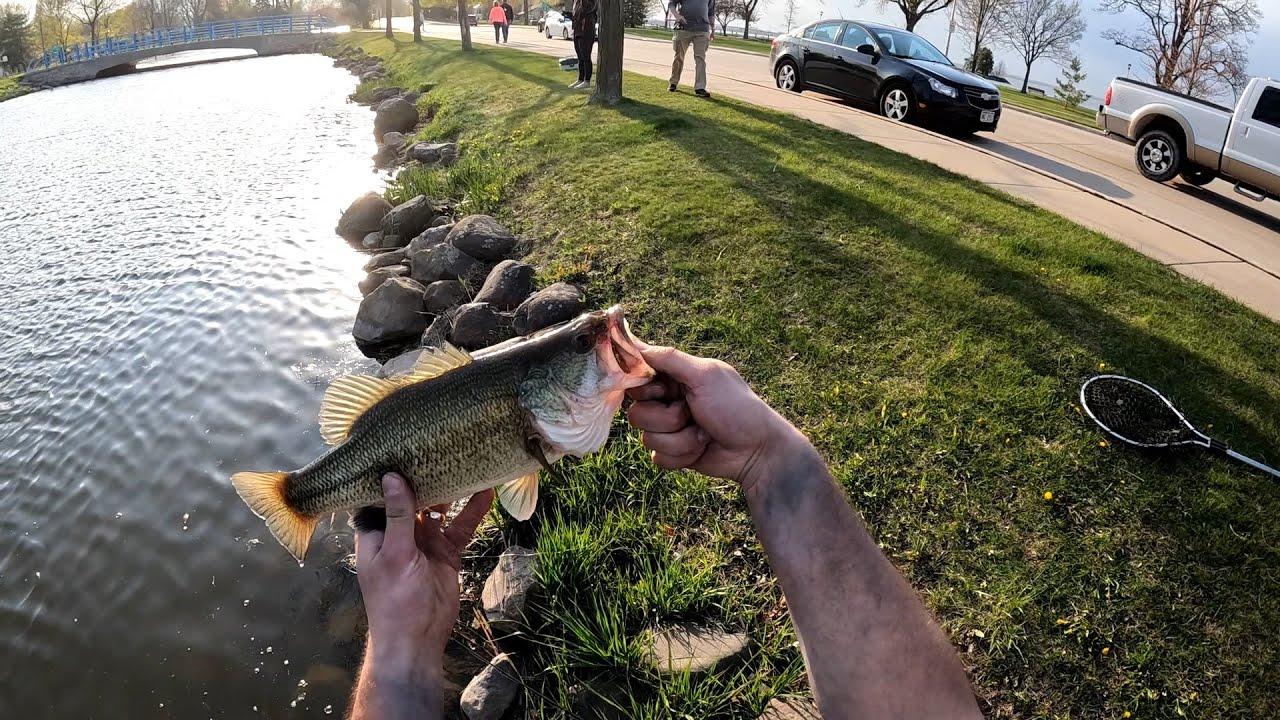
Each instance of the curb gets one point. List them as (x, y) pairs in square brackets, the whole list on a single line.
[(643, 38), (1060, 121)]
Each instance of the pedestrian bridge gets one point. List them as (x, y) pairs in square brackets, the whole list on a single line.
[(276, 35)]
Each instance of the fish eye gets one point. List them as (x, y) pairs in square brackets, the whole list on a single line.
[(582, 342)]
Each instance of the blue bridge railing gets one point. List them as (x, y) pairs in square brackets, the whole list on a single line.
[(177, 36)]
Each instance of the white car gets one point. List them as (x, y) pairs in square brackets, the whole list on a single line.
[(558, 25)]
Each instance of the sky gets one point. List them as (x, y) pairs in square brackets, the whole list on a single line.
[(1102, 60)]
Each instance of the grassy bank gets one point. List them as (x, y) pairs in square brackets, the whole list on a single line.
[(720, 41), (930, 334), (1047, 106), (10, 87)]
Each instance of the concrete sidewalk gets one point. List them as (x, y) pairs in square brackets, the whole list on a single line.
[(1203, 233)]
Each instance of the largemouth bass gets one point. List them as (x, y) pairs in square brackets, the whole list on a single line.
[(458, 424)]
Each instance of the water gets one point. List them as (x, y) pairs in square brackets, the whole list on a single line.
[(174, 303)]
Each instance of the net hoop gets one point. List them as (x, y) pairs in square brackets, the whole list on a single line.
[(1200, 438)]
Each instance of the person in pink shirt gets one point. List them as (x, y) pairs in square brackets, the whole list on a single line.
[(498, 17)]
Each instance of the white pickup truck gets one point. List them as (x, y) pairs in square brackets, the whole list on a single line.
[(1178, 135)]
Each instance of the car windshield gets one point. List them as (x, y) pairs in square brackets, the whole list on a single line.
[(901, 43)]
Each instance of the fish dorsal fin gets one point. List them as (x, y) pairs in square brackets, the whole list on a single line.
[(520, 496), (351, 396), (347, 399), (434, 362)]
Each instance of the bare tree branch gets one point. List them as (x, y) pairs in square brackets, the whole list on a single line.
[(1041, 29), (979, 19), (913, 10)]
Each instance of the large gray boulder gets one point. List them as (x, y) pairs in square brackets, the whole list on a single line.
[(431, 236), (478, 325), (409, 218), (392, 242), (362, 217), (372, 241), (380, 275), (690, 648), (393, 139), (506, 591), (483, 238), (444, 262), (371, 75), (490, 693), (392, 312), (385, 93), (508, 285), (394, 115), (551, 305), (444, 295), (432, 153), (393, 257)]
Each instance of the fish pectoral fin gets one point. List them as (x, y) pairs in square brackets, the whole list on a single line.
[(520, 496), (264, 494), (533, 444)]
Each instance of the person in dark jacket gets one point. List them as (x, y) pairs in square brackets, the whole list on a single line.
[(584, 38), (511, 16)]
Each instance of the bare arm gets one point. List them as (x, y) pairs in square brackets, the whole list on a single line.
[(870, 647)]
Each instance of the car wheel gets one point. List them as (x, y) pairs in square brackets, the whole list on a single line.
[(787, 76), (564, 34), (896, 103), (1159, 156), (1197, 175)]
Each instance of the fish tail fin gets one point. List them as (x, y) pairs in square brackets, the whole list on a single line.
[(264, 494)]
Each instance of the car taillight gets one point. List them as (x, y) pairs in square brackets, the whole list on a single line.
[(1107, 100), (773, 43)]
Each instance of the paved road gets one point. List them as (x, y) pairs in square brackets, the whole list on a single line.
[(1205, 233)]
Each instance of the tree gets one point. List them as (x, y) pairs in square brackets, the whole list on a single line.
[(1069, 84), (1041, 29), (15, 36), (389, 13), (359, 11), (91, 13), (980, 62), (53, 23), (913, 11), (1199, 47), (979, 19), (417, 21), (195, 12), (726, 10), (463, 26), (789, 13), (748, 11), (635, 12), (608, 89), (1000, 70)]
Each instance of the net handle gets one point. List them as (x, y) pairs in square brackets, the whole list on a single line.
[(1250, 462)]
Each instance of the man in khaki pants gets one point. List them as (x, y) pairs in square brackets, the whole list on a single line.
[(693, 27)]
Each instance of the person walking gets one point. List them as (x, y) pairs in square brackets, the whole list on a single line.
[(510, 12), (498, 17), (694, 27), (584, 38)]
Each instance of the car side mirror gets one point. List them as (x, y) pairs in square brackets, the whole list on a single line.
[(867, 49)]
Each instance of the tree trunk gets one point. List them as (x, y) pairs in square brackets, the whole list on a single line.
[(417, 21), (1026, 79), (746, 29), (463, 25), (912, 19), (526, 12), (389, 35), (609, 65)]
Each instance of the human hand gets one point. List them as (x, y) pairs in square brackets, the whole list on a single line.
[(408, 577), (699, 413)]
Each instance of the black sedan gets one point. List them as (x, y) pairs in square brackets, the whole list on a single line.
[(899, 73)]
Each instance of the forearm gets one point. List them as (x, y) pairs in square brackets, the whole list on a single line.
[(398, 683), (870, 646)]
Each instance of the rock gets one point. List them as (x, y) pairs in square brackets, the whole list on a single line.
[(430, 236), (445, 262), (426, 87), (394, 115), (371, 75), (690, 648), (379, 275), (508, 285), (507, 587), (478, 325), (395, 257), (443, 296), (791, 709), (391, 242), (553, 304), (393, 311), (442, 221), (483, 238), (490, 693), (386, 93), (438, 334), (411, 97), (400, 364), (433, 153), (409, 218), (372, 241), (394, 139), (363, 216)]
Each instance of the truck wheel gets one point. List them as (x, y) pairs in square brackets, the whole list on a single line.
[(1197, 175), (1159, 156)]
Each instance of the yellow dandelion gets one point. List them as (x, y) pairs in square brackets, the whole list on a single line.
[(904, 413), (1044, 269), (1108, 594), (1106, 651), (1127, 714), (1102, 366), (1194, 695), (1061, 621), (982, 421), (1103, 443), (1048, 495), (1006, 441)]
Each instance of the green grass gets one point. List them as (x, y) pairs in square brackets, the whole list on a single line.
[(720, 41), (1047, 105), (10, 87), (929, 333)]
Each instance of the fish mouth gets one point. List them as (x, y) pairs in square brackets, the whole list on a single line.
[(623, 345)]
